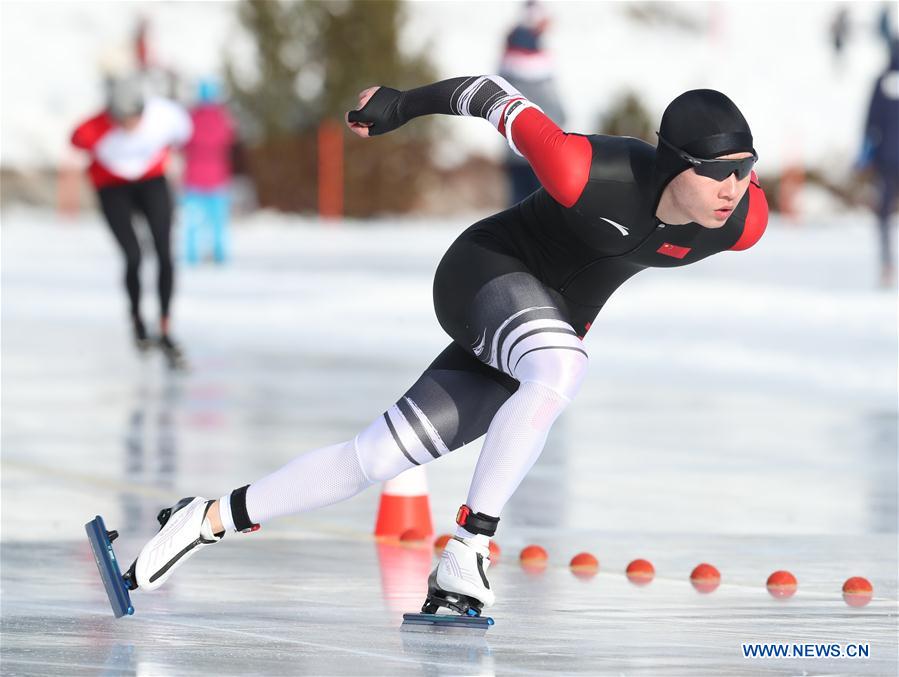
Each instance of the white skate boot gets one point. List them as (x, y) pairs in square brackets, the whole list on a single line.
[(184, 531), (459, 582)]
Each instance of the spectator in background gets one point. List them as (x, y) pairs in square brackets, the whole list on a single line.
[(129, 145), (206, 177), (881, 153), (885, 27), (529, 68), (839, 32)]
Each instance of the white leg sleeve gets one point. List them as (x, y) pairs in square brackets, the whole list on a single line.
[(387, 447), (312, 480), (550, 378)]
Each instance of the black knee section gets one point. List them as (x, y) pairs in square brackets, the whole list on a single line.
[(133, 260), (476, 522), (239, 514)]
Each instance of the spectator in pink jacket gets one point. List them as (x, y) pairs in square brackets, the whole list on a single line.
[(207, 177)]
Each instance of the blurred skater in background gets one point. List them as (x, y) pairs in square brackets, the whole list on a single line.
[(529, 68), (129, 143), (880, 153), (207, 175)]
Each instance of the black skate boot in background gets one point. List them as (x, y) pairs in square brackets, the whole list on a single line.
[(173, 354)]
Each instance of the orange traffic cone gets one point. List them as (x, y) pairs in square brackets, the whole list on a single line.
[(405, 506)]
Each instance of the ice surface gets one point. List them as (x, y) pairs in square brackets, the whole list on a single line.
[(741, 411)]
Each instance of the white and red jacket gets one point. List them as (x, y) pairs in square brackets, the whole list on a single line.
[(122, 156)]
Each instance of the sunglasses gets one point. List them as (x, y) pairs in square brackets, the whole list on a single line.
[(718, 170)]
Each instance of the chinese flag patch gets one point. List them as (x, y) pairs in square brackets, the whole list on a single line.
[(673, 250)]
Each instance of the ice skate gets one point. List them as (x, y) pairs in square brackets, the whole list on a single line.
[(460, 584), (141, 340), (184, 532), (174, 356)]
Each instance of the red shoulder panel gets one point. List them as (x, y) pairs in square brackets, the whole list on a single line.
[(756, 216), (561, 161), (89, 132)]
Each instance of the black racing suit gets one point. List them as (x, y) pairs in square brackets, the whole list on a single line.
[(557, 255)]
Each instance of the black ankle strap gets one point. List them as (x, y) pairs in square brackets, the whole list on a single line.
[(476, 522), (239, 514)]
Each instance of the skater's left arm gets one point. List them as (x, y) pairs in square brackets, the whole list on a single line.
[(756, 216), (561, 161)]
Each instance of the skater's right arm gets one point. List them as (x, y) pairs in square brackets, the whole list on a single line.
[(89, 132), (561, 161)]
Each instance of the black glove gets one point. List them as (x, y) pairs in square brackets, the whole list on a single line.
[(382, 111)]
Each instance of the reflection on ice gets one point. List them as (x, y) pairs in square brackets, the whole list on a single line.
[(450, 654)]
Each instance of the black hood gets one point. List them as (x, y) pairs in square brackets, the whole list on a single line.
[(705, 124)]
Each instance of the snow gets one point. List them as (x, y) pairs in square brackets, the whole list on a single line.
[(773, 59)]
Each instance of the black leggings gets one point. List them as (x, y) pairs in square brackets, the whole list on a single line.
[(153, 199)]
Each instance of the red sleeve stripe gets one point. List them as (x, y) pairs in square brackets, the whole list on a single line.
[(89, 132), (502, 118), (561, 161)]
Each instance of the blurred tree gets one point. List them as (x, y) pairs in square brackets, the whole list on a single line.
[(359, 45), (628, 117), (313, 58), (269, 105)]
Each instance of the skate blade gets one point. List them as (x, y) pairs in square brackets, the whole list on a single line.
[(108, 566), (446, 623)]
